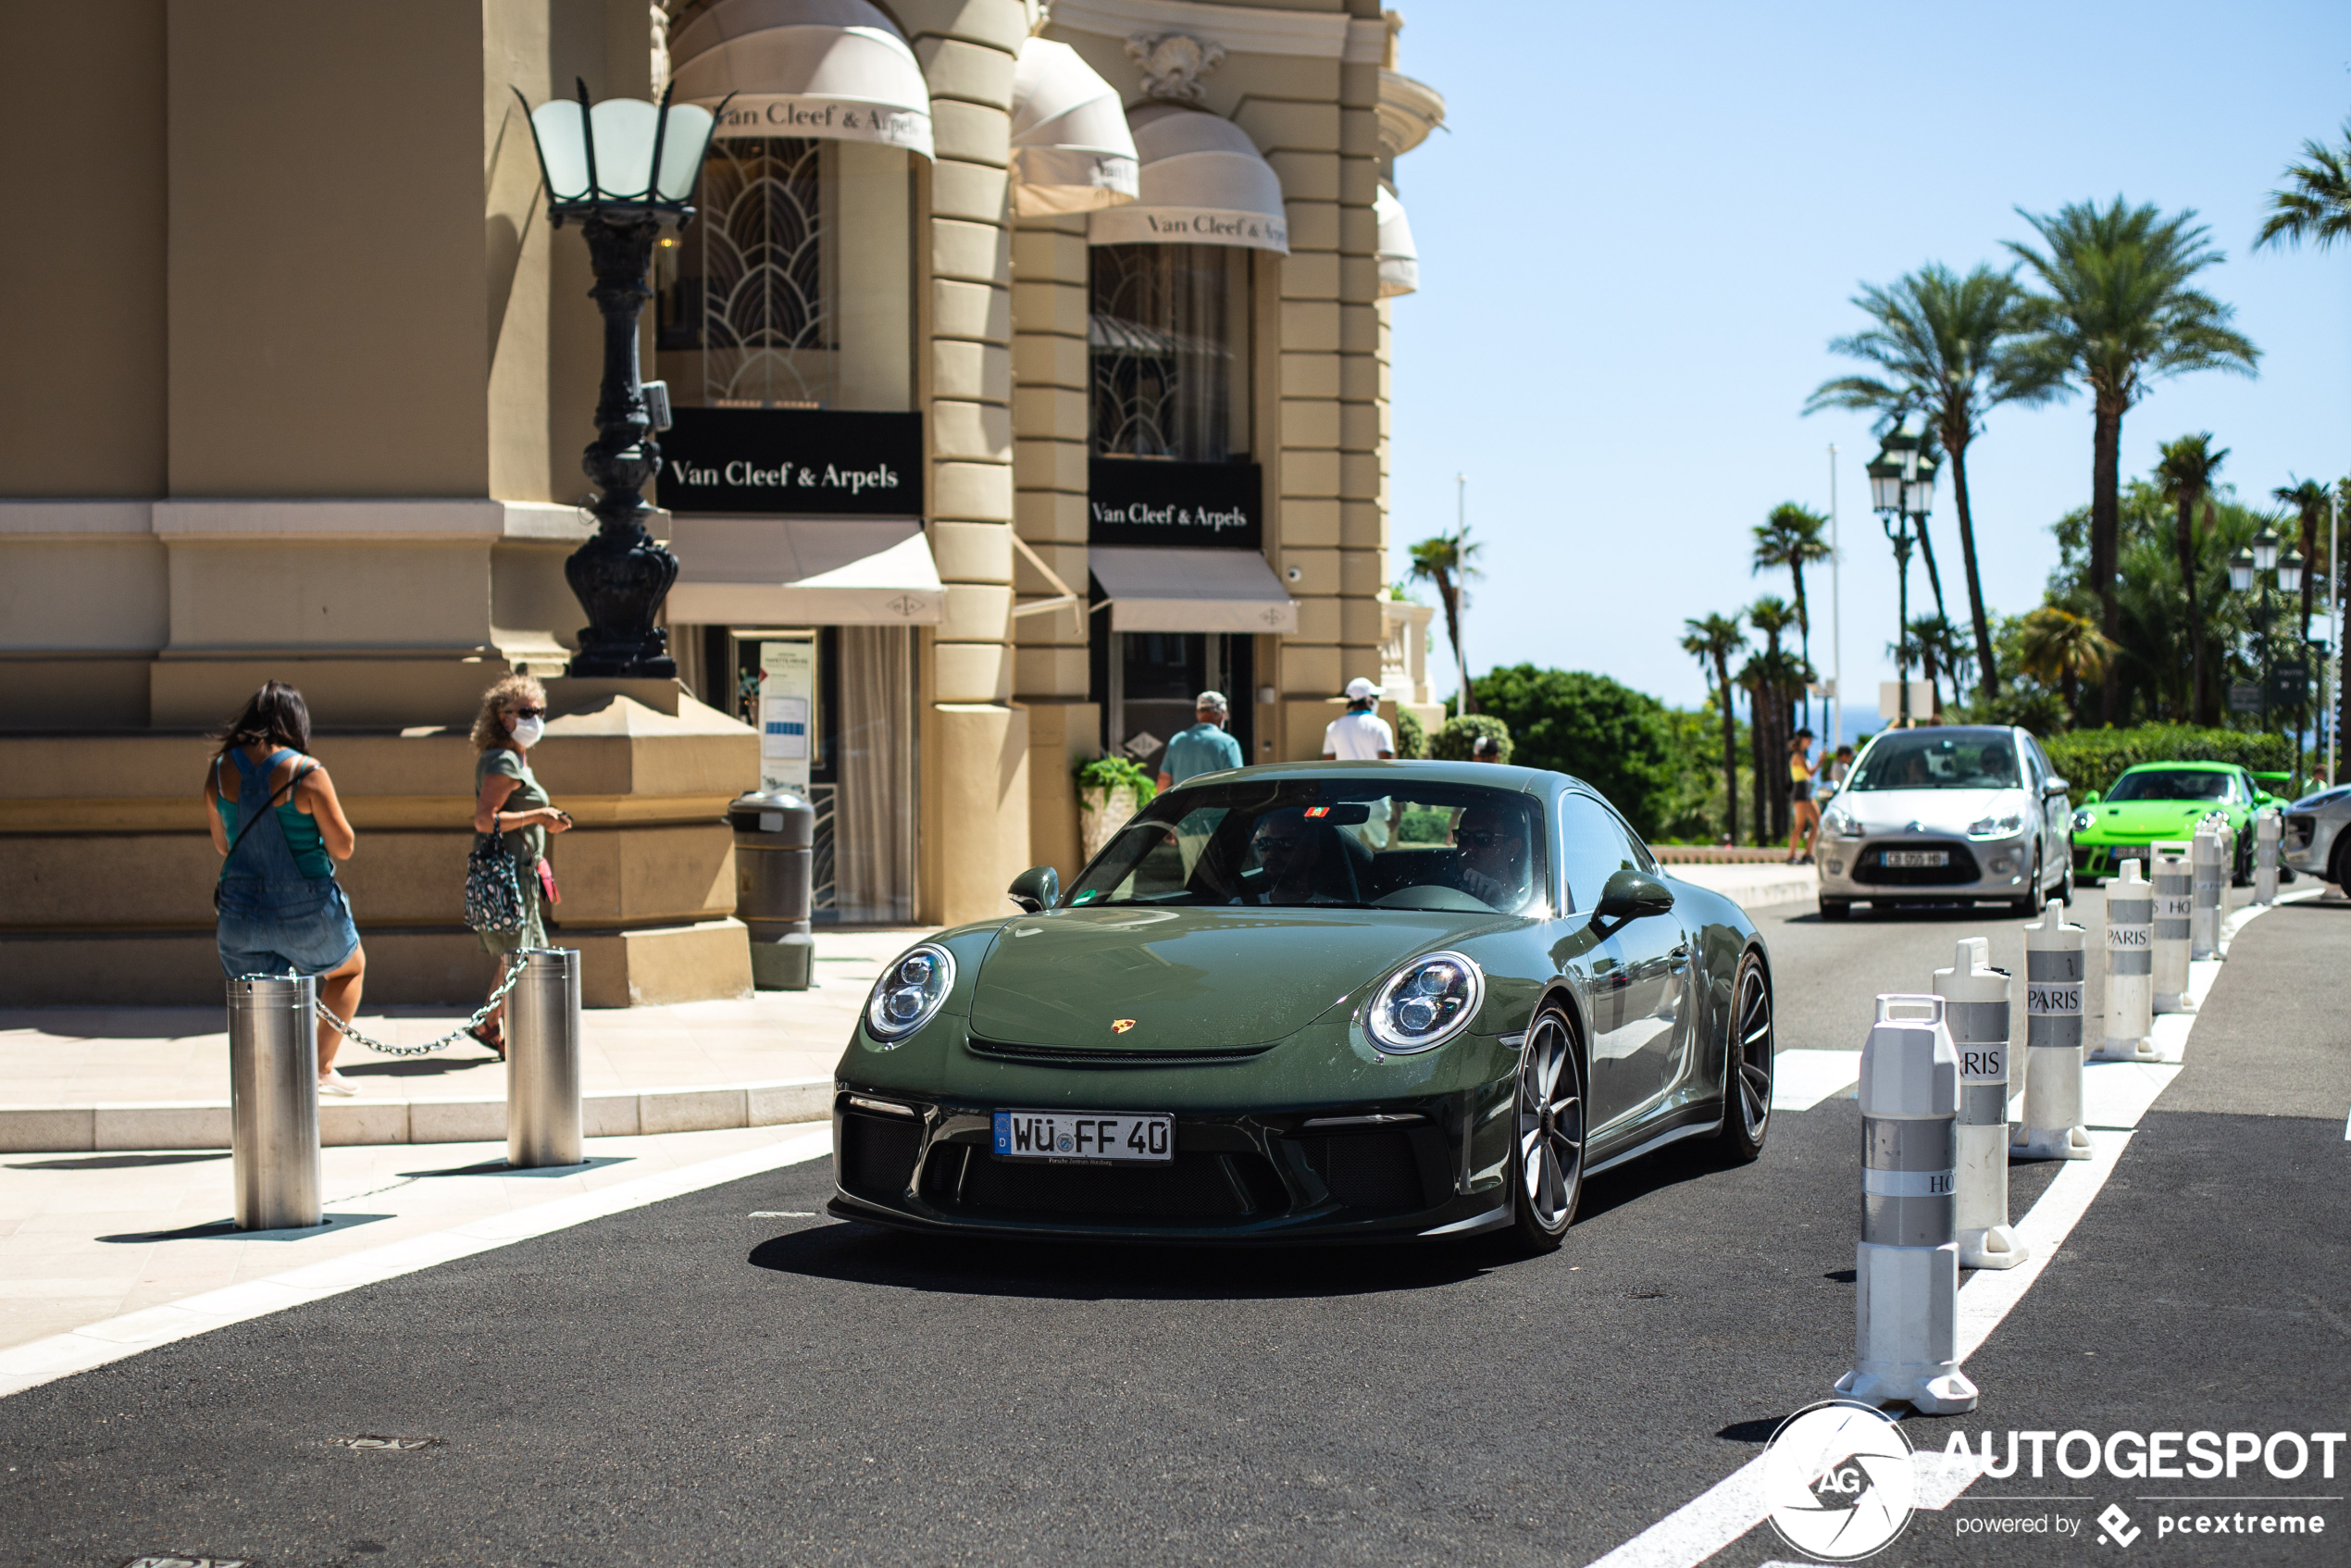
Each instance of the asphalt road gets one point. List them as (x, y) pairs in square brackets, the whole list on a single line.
[(684, 1384)]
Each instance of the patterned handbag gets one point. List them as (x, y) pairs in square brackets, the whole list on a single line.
[(494, 893)]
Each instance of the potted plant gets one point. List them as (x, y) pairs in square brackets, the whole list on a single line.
[(1110, 790)]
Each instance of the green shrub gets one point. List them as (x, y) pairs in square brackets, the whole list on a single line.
[(1457, 735), (1411, 740), (2093, 759), (1617, 739), (1108, 773)]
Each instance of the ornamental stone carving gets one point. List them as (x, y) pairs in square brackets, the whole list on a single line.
[(1173, 64)]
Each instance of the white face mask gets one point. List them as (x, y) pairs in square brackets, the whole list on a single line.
[(527, 731)]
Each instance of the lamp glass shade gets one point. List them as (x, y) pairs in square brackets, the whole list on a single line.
[(683, 148), (1918, 496), (1885, 485), (2241, 571), (560, 127), (2290, 572), (2265, 550)]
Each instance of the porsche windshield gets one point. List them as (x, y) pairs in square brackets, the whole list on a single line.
[(1939, 759), (1339, 842), (2171, 784)]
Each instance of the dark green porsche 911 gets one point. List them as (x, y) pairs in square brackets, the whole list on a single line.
[(1370, 1001)]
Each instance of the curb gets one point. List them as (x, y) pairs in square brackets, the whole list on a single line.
[(64, 1130)]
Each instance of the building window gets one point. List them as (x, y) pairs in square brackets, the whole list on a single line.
[(1168, 340), (757, 308)]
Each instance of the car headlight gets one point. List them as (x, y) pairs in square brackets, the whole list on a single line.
[(2083, 819), (2007, 826), (1841, 823), (1425, 1004), (909, 992)]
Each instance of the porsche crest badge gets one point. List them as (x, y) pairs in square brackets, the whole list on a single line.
[(1120, 1026)]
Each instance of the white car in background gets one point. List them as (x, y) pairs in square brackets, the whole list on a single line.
[(1948, 815)]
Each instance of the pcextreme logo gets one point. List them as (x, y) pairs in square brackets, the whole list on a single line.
[(1839, 1480)]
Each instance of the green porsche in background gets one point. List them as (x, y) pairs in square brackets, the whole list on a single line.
[(1337, 1000), (2160, 802)]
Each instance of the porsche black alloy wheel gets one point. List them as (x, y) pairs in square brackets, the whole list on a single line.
[(1746, 1088), (1549, 1169)]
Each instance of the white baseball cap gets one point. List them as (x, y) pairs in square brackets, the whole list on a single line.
[(1358, 689)]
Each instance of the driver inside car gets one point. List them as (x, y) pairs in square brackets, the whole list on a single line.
[(1490, 857), (1287, 847)]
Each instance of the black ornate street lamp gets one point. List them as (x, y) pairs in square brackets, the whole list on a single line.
[(2249, 573), (624, 169), (1902, 491)]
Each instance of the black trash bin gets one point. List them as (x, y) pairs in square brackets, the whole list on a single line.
[(775, 855)]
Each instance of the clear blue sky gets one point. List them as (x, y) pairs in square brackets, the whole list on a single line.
[(1648, 221)]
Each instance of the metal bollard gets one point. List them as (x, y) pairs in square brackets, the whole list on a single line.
[(1976, 1008), (2130, 969), (1906, 1266), (2174, 899), (2208, 861), (542, 1061), (775, 861), (2056, 962), (273, 1099), (2267, 827)]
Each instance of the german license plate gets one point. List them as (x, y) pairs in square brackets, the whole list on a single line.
[(1916, 857), (1089, 1137)]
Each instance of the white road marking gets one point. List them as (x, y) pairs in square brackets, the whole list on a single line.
[(1802, 1080), (62, 1355), (1732, 1506)]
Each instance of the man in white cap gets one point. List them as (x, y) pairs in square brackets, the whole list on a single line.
[(1204, 748), (1360, 734)]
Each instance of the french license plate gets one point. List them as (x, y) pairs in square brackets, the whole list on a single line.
[(1915, 857), (1092, 1138), (2117, 853)]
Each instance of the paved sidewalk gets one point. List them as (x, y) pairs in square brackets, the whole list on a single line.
[(77, 1056), (1753, 886)]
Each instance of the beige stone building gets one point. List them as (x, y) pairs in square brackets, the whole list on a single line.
[(1029, 369)]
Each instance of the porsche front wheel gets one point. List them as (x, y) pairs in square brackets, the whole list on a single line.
[(1547, 1170)]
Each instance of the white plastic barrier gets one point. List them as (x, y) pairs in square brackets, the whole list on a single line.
[(2208, 857), (1975, 1009), (1906, 1266), (2130, 969), (2056, 966), (2174, 900), (2267, 827)]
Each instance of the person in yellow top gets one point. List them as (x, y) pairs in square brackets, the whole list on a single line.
[(1803, 816)]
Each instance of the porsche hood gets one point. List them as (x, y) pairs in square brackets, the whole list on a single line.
[(1189, 979)]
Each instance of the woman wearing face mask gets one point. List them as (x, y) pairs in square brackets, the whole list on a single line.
[(509, 802)]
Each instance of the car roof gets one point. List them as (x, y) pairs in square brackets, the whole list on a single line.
[(1492, 776), (2200, 767)]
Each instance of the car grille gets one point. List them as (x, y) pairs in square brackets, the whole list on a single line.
[(1110, 1056), (1870, 868), (1367, 1170), (877, 1155), (1190, 1190)]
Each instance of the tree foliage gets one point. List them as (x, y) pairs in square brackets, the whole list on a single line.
[(1615, 739), (2316, 204), (1456, 736)]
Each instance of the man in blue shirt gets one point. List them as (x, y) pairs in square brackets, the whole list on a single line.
[(1204, 748)]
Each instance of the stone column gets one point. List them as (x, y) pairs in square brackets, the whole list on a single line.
[(975, 741), (1362, 378)]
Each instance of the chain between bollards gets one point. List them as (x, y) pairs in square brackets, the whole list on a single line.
[(514, 973)]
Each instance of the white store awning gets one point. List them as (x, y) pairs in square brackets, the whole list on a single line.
[(1071, 149), (1178, 590), (834, 69), (803, 571), (1202, 182), (1399, 259)]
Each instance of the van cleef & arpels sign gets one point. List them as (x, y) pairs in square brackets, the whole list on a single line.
[(793, 461), (1150, 500)]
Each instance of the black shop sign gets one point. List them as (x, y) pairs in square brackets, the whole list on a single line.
[(823, 461), (1144, 501)]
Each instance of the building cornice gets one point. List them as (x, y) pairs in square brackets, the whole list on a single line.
[(1409, 112), (1244, 30), (405, 519)]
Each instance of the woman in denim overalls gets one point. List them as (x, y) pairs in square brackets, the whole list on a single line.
[(281, 907)]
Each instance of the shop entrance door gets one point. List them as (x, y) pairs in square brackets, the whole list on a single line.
[(1154, 678)]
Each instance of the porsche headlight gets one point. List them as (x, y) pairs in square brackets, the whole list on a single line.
[(1425, 1004), (2007, 826), (2083, 819), (909, 992), (1841, 823)]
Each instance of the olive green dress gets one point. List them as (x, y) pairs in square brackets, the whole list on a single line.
[(526, 846)]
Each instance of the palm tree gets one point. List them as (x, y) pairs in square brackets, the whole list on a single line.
[(1790, 536), (2063, 649), (2118, 315), (1450, 561), (2185, 473), (2309, 499), (1773, 693), (2316, 205), (1712, 640), (1936, 645), (1953, 346)]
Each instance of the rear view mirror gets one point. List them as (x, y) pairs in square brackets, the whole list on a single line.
[(1631, 894), (2091, 799), (1035, 890), (2052, 788)]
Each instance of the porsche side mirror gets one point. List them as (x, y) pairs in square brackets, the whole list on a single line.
[(2052, 788), (2091, 799), (1035, 890), (1631, 894)]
